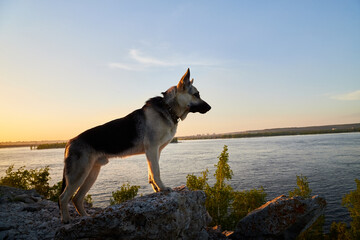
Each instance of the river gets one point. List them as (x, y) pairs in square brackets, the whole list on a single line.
[(330, 161)]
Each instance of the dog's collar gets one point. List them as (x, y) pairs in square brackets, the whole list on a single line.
[(173, 115), (164, 109)]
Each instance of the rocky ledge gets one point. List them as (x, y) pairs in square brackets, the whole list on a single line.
[(281, 218), (24, 214), (180, 214)]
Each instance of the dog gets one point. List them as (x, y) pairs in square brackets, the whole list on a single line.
[(147, 130)]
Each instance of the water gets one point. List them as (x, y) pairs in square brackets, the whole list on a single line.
[(331, 162)]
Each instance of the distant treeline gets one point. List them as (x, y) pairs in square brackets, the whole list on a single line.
[(31, 144), (342, 128), (50, 145), (269, 133)]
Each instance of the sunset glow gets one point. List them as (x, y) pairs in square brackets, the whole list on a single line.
[(68, 66)]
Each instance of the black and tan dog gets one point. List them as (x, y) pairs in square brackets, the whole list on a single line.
[(147, 130)]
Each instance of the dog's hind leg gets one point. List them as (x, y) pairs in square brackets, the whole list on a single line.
[(75, 177), (78, 199), (64, 199)]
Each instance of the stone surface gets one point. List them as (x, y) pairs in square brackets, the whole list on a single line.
[(179, 214), (24, 214), (215, 233), (281, 218)]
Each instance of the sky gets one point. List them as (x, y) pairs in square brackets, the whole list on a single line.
[(66, 66)]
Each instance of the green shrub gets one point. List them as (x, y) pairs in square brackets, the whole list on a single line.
[(37, 179), (246, 201), (220, 196), (197, 183), (315, 231), (218, 202), (339, 231), (88, 200), (225, 206), (352, 202), (55, 191), (18, 179), (303, 189), (51, 145), (125, 193), (223, 171)]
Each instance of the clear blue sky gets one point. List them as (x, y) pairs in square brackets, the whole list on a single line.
[(66, 66)]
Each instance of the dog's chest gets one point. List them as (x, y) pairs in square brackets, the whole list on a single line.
[(165, 133), (159, 129)]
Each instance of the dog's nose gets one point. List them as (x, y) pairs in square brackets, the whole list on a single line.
[(206, 107)]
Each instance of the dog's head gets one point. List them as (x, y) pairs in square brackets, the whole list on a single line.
[(185, 98)]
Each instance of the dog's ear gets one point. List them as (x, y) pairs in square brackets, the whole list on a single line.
[(184, 82)]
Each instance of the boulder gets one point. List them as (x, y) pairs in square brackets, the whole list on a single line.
[(281, 218), (24, 214), (179, 214)]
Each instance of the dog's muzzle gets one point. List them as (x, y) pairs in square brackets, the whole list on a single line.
[(202, 108)]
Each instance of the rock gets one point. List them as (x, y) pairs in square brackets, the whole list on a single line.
[(281, 218), (216, 234), (4, 227), (36, 220), (23, 198), (180, 214), (32, 208)]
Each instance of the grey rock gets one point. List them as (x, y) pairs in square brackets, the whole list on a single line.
[(215, 233), (36, 220), (32, 208), (4, 226), (281, 218), (23, 198), (4, 235), (180, 214)]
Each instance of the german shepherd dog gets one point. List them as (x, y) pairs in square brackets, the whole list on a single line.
[(147, 130)]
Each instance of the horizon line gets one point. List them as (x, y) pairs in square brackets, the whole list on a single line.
[(234, 132)]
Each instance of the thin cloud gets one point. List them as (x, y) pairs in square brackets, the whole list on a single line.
[(136, 55), (351, 96), (123, 66), (140, 62)]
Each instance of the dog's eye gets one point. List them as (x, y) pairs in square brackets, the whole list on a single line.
[(197, 95)]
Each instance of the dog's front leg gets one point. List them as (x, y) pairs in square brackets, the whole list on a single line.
[(153, 155)]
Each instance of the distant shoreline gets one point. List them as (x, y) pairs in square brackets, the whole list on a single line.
[(35, 144), (327, 129), (50, 145)]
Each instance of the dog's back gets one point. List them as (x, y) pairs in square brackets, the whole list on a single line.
[(117, 136)]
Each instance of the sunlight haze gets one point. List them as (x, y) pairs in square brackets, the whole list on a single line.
[(66, 66)]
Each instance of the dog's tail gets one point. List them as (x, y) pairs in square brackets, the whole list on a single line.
[(63, 186)]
